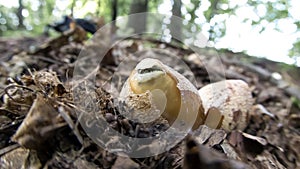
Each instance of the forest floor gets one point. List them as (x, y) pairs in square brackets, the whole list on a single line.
[(39, 121)]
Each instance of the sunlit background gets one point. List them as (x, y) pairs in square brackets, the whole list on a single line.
[(262, 28)]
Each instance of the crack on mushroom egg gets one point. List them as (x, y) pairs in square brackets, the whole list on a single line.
[(146, 107)]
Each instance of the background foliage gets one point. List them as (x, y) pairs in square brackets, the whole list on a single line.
[(28, 17)]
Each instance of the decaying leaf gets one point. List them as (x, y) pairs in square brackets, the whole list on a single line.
[(247, 143), (20, 158), (208, 135), (18, 99), (40, 122), (14, 159), (198, 156), (48, 82), (125, 163)]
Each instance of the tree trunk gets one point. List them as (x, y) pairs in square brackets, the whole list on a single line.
[(176, 24), (114, 14), (138, 23), (19, 15), (98, 8), (212, 13), (72, 8), (41, 9)]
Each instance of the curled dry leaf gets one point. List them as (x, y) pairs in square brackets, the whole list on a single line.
[(170, 92), (18, 99), (227, 104), (40, 122), (209, 136), (247, 143), (46, 81), (123, 162), (20, 158), (198, 156), (14, 159)]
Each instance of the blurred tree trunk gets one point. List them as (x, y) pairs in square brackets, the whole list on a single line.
[(176, 24), (114, 14), (72, 8), (41, 10), (19, 15), (98, 8), (49, 5), (210, 14), (138, 23)]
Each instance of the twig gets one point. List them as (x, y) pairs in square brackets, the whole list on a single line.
[(8, 149)]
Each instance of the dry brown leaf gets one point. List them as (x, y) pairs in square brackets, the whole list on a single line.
[(41, 121)]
